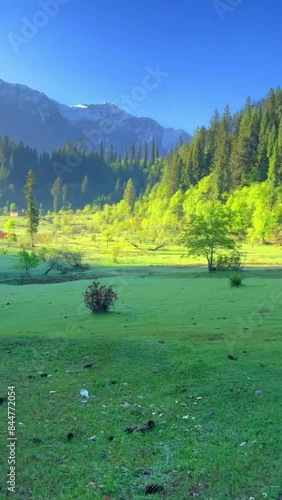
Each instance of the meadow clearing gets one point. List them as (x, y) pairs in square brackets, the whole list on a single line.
[(161, 356)]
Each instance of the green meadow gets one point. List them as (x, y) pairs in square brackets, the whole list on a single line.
[(161, 355)]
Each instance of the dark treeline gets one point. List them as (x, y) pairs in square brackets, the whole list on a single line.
[(72, 176)]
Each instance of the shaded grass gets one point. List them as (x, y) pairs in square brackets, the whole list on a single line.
[(165, 345)]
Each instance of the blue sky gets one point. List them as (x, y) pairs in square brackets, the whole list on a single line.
[(94, 51)]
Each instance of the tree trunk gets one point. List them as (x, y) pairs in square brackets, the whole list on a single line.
[(157, 248)]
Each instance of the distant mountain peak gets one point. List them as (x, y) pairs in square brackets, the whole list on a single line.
[(43, 123), (82, 106)]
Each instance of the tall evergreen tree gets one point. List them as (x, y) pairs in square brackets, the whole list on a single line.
[(145, 155), (221, 158), (80, 145), (138, 155), (153, 151), (31, 209), (241, 157), (117, 191), (275, 167), (110, 154), (130, 194), (132, 154), (101, 150), (125, 160), (172, 175), (198, 156), (262, 158), (56, 192)]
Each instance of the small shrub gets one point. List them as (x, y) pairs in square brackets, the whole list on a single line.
[(231, 262), (235, 280), (12, 237), (63, 261), (99, 298)]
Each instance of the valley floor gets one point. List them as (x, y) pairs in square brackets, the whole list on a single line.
[(161, 355)]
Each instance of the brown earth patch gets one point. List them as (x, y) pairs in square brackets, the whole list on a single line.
[(45, 280)]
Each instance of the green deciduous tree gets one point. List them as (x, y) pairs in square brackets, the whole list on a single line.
[(27, 261), (207, 233), (9, 226)]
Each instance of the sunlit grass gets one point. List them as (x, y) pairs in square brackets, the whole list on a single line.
[(163, 351)]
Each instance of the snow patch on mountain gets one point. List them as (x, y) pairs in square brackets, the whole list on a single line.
[(94, 113), (82, 106)]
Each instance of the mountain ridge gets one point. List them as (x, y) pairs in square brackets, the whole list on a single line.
[(32, 117)]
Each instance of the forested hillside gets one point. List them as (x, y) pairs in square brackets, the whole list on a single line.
[(235, 163), (235, 151), (231, 172), (80, 176)]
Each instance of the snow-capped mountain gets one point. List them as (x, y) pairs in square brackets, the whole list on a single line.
[(40, 122)]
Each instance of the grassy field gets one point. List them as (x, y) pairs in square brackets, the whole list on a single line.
[(96, 252), (161, 355)]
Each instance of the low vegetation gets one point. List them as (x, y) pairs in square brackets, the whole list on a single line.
[(99, 298), (183, 380), (27, 261), (235, 280), (177, 391)]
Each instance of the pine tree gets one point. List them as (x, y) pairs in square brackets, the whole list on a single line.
[(80, 145), (67, 147), (280, 137), (125, 160), (172, 175), (117, 191), (221, 158), (56, 192), (153, 151), (262, 159), (211, 138), (198, 156), (275, 167), (241, 157), (130, 194), (138, 155), (131, 154), (145, 156), (110, 154), (101, 151), (157, 151), (31, 210)]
